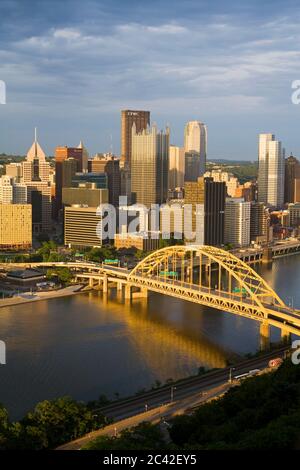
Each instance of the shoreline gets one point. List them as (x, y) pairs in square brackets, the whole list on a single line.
[(65, 292)]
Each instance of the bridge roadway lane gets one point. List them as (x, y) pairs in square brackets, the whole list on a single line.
[(184, 388)]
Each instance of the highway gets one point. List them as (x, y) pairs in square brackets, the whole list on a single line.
[(128, 407), (157, 405)]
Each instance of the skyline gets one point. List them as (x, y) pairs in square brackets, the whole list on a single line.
[(70, 72)]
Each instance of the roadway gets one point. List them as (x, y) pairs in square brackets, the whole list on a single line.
[(128, 407), (164, 403)]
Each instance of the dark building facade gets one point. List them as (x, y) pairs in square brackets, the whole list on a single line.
[(292, 174), (259, 222), (207, 198)]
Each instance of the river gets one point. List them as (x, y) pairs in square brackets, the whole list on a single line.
[(85, 346)]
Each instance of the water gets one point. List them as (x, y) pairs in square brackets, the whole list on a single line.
[(84, 346)]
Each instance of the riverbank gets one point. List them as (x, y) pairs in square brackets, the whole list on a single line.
[(28, 297)]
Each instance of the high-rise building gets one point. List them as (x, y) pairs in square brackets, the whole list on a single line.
[(292, 173), (62, 154), (15, 226), (259, 222), (82, 227), (207, 199), (270, 171), (85, 157), (141, 119), (237, 222), (6, 190), (176, 167), (109, 165), (294, 214), (149, 166), (35, 171), (195, 143)]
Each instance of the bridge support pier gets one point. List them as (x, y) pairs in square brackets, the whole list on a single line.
[(142, 294), (119, 286), (91, 282), (264, 335), (105, 286), (128, 292)]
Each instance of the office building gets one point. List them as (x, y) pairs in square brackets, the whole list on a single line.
[(15, 226), (149, 166), (195, 143), (62, 154), (270, 171), (82, 227), (85, 157), (35, 175), (86, 194), (141, 120), (176, 167), (6, 190), (291, 180), (109, 165), (207, 200), (237, 222), (294, 214), (259, 223)]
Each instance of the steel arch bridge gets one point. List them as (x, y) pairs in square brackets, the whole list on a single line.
[(216, 278)]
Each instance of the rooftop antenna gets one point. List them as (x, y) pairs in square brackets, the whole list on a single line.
[(35, 141)]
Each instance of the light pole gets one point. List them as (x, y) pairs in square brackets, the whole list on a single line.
[(230, 374), (172, 393), (146, 408)]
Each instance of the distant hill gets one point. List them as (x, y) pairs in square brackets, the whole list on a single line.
[(223, 161)]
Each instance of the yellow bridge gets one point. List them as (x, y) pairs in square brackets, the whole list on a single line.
[(202, 274)]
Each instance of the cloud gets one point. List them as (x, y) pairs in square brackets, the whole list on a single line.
[(215, 62)]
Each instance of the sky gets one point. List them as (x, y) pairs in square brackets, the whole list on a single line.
[(70, 67)]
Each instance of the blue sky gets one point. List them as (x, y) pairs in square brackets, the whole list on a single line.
[(71, 66)]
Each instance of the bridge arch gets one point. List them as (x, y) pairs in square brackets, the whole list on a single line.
[(246, 277)]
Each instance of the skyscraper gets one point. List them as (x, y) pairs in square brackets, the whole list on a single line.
[(141, 119), (62, 154), (270, 171), (195, 143), (35, 172), (207, 198), (292, 173), (237, 222), (176, 167), (149, 166)]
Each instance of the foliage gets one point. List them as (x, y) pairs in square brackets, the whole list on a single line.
[(49, 425), (100, 254), (144, 436), (63, 275)]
